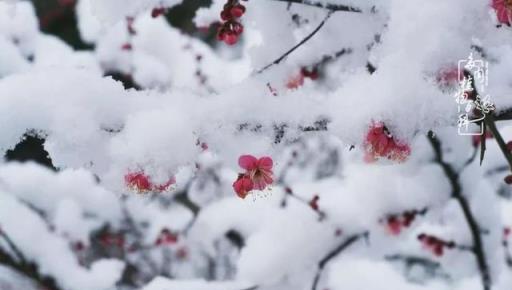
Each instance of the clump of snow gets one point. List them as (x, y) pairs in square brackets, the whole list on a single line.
[(161, 283)]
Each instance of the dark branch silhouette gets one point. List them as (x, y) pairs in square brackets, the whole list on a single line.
[(24, 267), (491, 125), (504, 115), (308, 37), (333, 254), (453, 177), (331, 7)]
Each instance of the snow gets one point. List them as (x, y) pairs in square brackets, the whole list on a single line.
[(111, 11), (198, 106), (51, 252), (160, 283)]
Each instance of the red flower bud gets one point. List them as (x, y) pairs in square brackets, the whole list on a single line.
[(438, 250), (238, 10), (508, 179), (127, 47), (230, 38), (314, 202), (225, 15), (509, 146), (237, 28), (394, 225), (157, 12)]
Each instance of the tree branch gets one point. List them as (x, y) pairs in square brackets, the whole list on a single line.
[(332, 254), (491, 124), (14, 248), (331, 7), (504, 115), (508, 256), (308, 37), (30, 270), (453, 177)]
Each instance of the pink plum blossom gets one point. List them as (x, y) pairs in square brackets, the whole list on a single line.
[(503, 10), (448, 76), (258, 174), (140, 182), (243, 185), (379, 143)]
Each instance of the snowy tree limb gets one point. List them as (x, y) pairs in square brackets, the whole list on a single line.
[(14, 248), (308, 37), (332, 7), (30, 270), (491, 124), (504, 115), (333, 254), (457, 194), (251, 288)]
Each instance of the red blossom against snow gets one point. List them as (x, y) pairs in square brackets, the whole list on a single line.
[(112, 240), (379, 143), (158, 12), (231, 28), (166, 237), (396, 223), (258, 174), (507, 231), (435, 245), (313, 203), (140, 182), (297, 80), (508, 179), (503, 10), (448, 76), (243, 185), (394, 226)]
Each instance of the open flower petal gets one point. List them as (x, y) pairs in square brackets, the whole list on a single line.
[(248, 162)]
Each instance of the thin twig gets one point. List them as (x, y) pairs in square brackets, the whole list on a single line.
[(14, 248), (30, 270), (414, 260), (491, 124), (333, 254), (470, 159), (329, 6), (508, 256), (252, 288), (453, 177), (496, 170), (308, 37), (504, 115)]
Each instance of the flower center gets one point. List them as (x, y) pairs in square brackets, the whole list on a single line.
[(258, 173)]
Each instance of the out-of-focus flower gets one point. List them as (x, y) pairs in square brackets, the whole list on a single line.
[(140, 182), (503, 10), (379, 143)]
